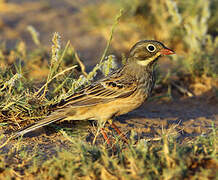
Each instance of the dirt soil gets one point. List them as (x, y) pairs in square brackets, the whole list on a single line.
[(65, 17)]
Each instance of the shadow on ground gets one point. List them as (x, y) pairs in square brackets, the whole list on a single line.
[(187, 118)]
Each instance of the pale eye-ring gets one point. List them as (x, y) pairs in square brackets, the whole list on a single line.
[(151, 48)]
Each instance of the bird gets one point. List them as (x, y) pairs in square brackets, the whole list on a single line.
[(120, 92)]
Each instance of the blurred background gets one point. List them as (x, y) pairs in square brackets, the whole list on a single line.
[(188, 27)]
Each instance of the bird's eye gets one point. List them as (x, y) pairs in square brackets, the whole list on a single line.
[(151, 48)]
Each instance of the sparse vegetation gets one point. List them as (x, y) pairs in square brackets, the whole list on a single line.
[(32, 80), (165, 159)]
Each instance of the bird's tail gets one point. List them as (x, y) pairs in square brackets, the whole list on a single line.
[(44, 122)]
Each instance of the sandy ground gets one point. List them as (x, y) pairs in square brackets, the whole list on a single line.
[(48, 17)]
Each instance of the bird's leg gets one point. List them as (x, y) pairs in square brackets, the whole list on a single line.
[(101, 128), (118, 131), (105, 136)]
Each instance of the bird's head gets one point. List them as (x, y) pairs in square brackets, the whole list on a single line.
[(146, 52)]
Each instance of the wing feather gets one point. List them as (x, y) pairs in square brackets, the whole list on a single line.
[(101, 92)]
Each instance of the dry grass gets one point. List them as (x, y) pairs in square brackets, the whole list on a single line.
[(162, 159)]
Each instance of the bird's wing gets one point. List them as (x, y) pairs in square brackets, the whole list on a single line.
[(101, 92)]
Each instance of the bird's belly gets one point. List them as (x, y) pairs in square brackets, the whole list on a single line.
[(105, 111), (122, 105), (129, 105)]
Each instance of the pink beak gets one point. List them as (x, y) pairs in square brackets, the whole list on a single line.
[(167, 51)]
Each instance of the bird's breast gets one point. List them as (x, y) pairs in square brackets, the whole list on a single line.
[(146, 83)]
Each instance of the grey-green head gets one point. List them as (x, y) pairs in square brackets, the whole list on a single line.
[(145, 52)]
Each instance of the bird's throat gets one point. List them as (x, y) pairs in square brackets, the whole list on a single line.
[(148, 61)]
